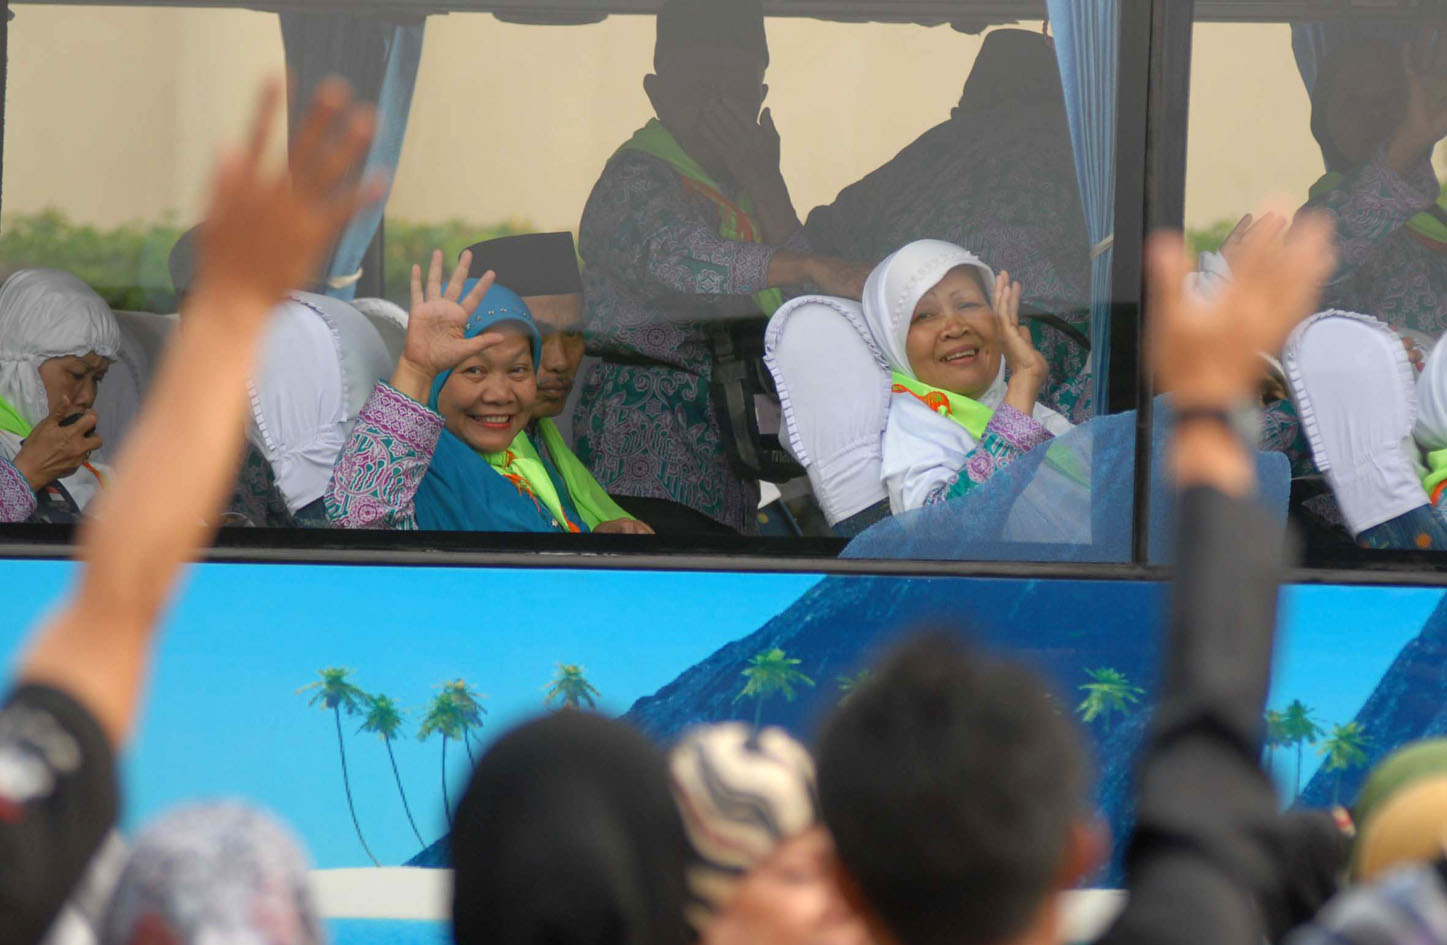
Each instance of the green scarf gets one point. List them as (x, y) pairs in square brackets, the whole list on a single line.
[(736, 221), (966, 411), (1436, 473), (594, 505), (520, 461), (1430, 225), (11, 421)]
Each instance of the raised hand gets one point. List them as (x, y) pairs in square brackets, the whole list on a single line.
[(52, 451), (750, 150), (1028, 368), (266, 232), (1251, 231), (1208, 352), (437, 338)]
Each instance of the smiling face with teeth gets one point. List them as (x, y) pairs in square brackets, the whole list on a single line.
[(954, 337), (489, 398)]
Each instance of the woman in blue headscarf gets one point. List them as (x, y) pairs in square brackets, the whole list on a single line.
[(444, 447)]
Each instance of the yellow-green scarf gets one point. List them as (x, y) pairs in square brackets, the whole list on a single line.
[(1428, 225), (11, 421), (594, 505), (736, 220), (521, 465)]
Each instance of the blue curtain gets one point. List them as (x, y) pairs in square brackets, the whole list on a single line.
[(379, 56), (1085, 44)]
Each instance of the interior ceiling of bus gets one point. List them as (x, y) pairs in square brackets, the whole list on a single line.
[(969, 15)]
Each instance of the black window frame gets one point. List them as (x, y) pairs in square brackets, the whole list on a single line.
[(1154, 52)]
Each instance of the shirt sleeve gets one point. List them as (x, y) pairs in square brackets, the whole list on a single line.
[(17, 501), (58, 801), (1370, 204), (1199, 864), (643, 228), (374, 484), (1009, 435)]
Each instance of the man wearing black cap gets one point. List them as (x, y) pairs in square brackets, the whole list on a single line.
[(691, 222), (543, 269)]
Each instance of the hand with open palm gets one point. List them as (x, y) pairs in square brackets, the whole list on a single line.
[(1027, 366), (437, 338)]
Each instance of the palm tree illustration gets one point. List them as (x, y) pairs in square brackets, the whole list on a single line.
[(1344, 748), (1275, 734), (385, 718), (334, 693), (443, 718), (849, 684), (1300, 729), (469, 710), (769, 672), (1108, 692), (571, 687)]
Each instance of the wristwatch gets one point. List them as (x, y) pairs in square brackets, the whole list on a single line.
[(1243, 420)]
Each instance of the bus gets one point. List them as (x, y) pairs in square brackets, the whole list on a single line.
[(1050, 136)]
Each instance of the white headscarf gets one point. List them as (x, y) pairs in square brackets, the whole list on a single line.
[(922, 450), (319, 362), (44, 314)]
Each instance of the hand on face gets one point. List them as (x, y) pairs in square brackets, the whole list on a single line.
[(52, 451), (437, 339), (265, 232), (1208, 352), (748, 147), (490, 397)]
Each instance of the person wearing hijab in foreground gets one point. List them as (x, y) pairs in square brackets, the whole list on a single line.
[(542, 268), (57, 340), (762, 870), (444, 447), (967, 379), (211, 873), (954, 786), (568, 835), (74, 699), (689, 225)]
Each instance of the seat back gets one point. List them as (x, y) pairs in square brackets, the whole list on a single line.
[(834, 388), (143, 337)]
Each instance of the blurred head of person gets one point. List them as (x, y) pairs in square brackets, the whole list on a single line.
[(542, 268), (763, 870), (1401, 812), (1359, 101), (709, 55), (955, 788), (214, 874), (57, 341), (568, 835), (488, 399)]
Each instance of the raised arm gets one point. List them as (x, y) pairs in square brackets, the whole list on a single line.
[(1201, 864), (265, 233)]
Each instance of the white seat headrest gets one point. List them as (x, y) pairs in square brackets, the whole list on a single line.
[(834, 389)]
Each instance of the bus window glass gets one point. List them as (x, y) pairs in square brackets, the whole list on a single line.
[(777, 277), (1341, 117)]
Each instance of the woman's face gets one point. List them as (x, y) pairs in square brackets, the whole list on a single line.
[(791, 898), (76, 377), (489, 397), (954, 337)]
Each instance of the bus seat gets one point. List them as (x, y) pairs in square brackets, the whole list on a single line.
[(833, 386), (143, 337), (390, 320)]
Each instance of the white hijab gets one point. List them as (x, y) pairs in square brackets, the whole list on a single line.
[(924, 452), (44, 314), (319, 362)]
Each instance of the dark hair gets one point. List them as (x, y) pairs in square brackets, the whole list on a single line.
[(950, 781)]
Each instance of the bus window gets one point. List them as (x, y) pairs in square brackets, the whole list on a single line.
[(768, 274), (1336, 117)]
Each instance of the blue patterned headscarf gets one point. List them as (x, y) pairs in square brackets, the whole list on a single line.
[(461, 491)]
